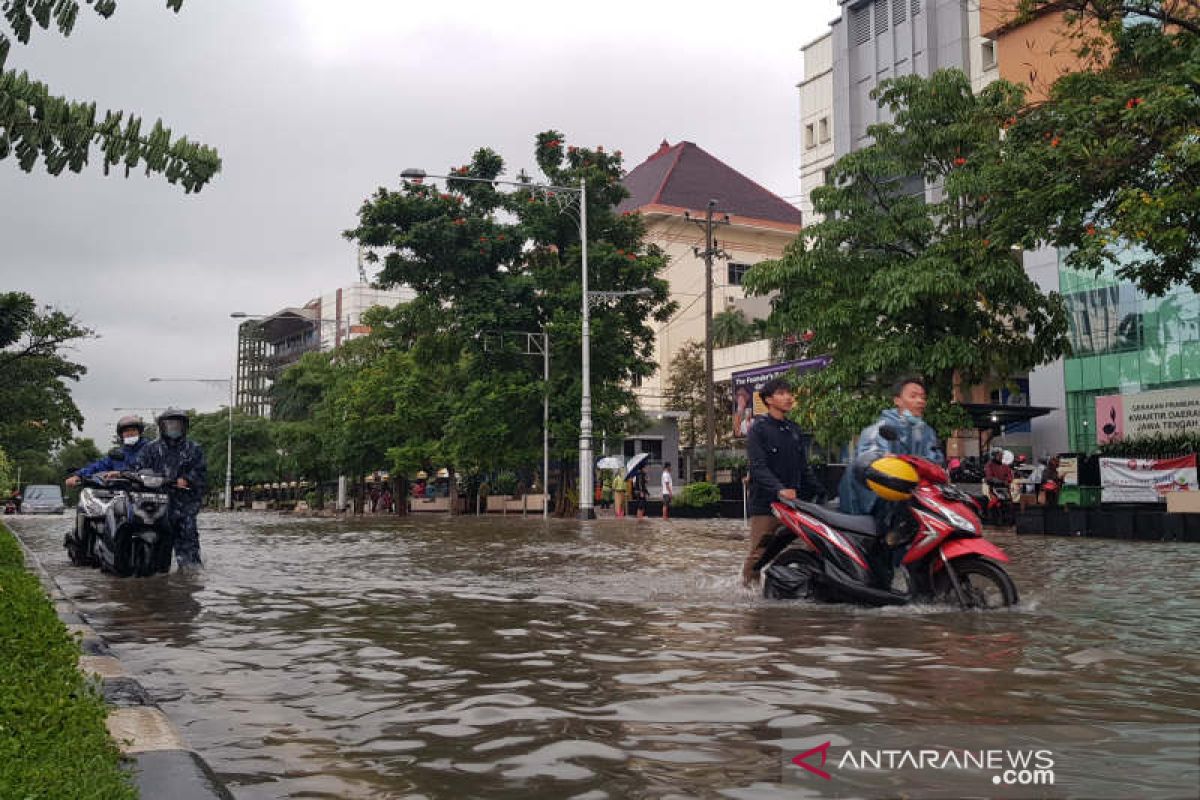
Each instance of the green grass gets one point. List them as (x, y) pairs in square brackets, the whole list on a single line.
[(53, 743)]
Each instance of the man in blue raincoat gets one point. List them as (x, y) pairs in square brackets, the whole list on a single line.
[(912, 437), (130, 430), (182, 462)]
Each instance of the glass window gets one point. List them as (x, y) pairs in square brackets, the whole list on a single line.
[(810, 137), (823, 128), (737, 272)]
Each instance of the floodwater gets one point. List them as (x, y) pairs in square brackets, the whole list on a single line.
[(508, 657)]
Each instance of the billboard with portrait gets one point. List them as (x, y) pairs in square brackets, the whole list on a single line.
[(746, 402)]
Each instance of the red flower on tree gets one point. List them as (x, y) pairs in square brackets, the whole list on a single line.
[(958, 162), (1134, 102), (1091, 230)]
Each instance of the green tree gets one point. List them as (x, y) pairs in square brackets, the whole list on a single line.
[(8, 475), (37, 413), (35, 124), (731, 327), (892, 282), (255, 456), (687, 391), (509, 262), (1108, 168), (76, 454)]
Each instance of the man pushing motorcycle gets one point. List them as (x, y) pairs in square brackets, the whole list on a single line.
[(777, 452), (181, 460)]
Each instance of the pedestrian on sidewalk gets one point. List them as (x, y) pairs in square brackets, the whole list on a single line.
[(668, 489), (618, 490)]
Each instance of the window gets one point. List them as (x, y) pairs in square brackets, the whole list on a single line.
[(916, 7), (810, 137), (860, 24), (737, 272), (899, 10), (653, 447), (823, 128), (989, 54), (881, 17)]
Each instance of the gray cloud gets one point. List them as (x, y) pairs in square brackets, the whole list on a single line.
[(312, 105)]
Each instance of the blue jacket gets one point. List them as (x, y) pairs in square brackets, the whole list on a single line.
[(914, 438), (126, 460)]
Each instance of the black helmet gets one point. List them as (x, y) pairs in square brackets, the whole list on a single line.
[(130, 421), (164, 423)]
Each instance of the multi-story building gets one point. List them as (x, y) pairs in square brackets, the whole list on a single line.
[(671, 190), (269, 345), (816, 120), (872, 40)]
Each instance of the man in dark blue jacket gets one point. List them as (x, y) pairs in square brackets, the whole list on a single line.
[(130, 430), (182, 462), (778, 454)]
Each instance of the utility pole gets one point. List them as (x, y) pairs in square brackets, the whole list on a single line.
[(711, 250)]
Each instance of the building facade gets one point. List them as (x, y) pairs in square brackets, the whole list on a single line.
[(269, 345), (671, 190)]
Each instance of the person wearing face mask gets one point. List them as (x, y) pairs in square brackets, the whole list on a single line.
[(181, 460), (912, 437), (122, 458)]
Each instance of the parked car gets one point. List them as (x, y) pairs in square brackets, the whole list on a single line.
[(42, 499)]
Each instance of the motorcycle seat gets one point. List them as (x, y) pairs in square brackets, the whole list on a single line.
[(856, 523)]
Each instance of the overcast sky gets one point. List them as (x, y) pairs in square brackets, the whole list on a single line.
[(314, 103)]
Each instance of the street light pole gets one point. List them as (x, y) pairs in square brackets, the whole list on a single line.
[(586, 511)]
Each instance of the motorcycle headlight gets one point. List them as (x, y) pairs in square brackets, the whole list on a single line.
[(91, 505), (150, 480), (959, 521)]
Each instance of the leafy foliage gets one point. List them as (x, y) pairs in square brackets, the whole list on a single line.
[(37, 414), (731, 327), (54, 742), (904, 274), (1158, 446), (687, 391), (698, 494), (449, 388), (8, 475), (1111, 160), (37, 125)]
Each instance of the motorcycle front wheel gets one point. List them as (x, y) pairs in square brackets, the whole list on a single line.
[(985, 585)]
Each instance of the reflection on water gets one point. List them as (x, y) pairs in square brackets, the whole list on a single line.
[(513, 658)]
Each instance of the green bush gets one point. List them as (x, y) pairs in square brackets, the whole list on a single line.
[(698, 495), (1153, 446), (53, 743)]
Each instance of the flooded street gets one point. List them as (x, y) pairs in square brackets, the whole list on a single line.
[(442, 658)]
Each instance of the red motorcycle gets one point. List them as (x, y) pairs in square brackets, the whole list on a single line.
[(828, 556)]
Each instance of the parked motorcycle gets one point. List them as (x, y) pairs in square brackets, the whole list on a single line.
[(828, 556), (121, 525), (1000, 508)]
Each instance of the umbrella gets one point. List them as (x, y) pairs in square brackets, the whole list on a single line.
[(636, 463), (609, 462)]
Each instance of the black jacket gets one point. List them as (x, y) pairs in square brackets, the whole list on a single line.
[(778, 454)]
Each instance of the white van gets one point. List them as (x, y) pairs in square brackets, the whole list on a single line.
[(42, 499)]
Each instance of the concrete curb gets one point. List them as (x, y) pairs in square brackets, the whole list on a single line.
[(163, 764)]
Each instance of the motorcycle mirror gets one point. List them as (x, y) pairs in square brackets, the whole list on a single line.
[(889, 433)]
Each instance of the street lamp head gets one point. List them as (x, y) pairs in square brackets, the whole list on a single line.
[(239, 315), (154, 380), (414, 174)]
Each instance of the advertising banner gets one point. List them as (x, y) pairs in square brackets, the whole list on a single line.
[(1146, 480), (746, 402), (1160, 413)]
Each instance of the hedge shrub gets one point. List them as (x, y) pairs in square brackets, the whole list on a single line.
[(53, 743), (699, 494), (1182, 444)]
